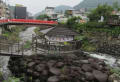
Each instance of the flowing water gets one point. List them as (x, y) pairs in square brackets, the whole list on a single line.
[(27, 36), (110, 60)]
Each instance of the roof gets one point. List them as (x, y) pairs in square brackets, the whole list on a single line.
[(56, 31), (49, 7)]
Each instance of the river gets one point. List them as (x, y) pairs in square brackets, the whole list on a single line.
[(27, 35)]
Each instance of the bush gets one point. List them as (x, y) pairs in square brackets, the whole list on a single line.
[(27, 45), (37, 31), (12, 79), (95, 24)]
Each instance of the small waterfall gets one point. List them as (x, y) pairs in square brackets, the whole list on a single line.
[(110, 60)]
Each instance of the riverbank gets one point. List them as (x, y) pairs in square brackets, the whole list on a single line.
[(11, 36), (54, 68)]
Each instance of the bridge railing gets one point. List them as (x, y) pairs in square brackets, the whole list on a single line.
[(27, 21)]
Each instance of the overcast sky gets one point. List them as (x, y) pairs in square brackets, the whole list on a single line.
[(35, 6)]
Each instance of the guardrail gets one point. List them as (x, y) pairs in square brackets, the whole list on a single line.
[(27, 21)]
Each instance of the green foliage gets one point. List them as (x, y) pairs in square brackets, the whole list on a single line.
[(12, 79), (72, 22), (14, 34), (37, 31), (116, 6), (27, 45), (116, 71), (102, 10), (66, 43), (95, 24), (80, 38), (88, 46), (42, 17)]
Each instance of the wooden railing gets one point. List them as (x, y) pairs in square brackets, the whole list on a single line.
[(43, 45), (11, 49)]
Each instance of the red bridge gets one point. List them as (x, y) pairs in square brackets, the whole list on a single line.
[(26, 22)]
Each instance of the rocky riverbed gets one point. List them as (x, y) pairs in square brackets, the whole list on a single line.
[(65, 68)]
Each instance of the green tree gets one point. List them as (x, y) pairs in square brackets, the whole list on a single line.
[(72, 22), (42, 17), (102, 10), (116, 6)]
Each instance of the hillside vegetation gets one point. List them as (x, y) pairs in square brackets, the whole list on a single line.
[(88, 4)]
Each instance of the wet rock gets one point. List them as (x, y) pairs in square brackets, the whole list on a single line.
[(40, 67), (36, 74), (37, 80), (55, 71), (53, 79), (86, 68), (31, 64), (114, 78), (51, 63), (60, 64), (101, 77), (91, 60), (84, 61), (45, 72), (89, 76), (95, 65), (29, 71)]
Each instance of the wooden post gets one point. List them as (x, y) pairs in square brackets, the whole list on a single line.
[(22, 49), (11, 49), (59, 48), (48, 47), (18, 48), (36, 46), (0, 46), (32, 43), (8, 49)]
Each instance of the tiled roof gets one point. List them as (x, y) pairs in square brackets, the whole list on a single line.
[(61, 31)]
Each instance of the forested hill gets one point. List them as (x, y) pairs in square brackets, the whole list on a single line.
[(94, 3)]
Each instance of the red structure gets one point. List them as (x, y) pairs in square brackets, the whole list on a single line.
[(26, 22)]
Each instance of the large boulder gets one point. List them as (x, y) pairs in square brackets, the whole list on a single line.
[(53, 79), (55, 71), (101, 77), (86, 68), (89, 76), (31, 64), (60, 64), (51, 63), (40, 67)]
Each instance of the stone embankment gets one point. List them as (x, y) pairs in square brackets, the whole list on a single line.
[(70, 68), (112, 49)]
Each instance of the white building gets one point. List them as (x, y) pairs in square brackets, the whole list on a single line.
[(49, 11)]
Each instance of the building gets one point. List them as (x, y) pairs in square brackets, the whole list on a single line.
[(69, 13), (50, 11), (20, 12), (60, 34), (4, 10)]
